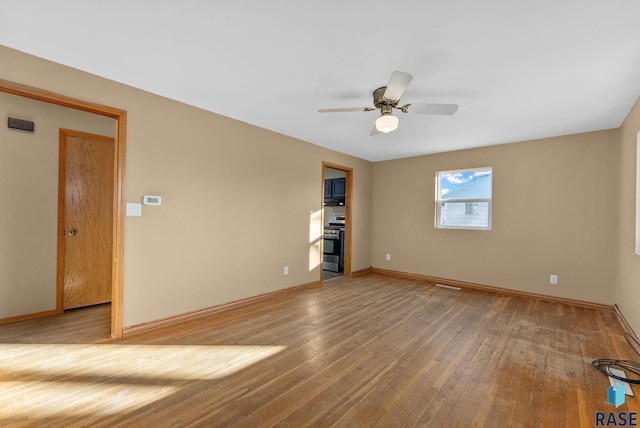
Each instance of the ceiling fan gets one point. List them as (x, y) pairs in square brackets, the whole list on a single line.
[(386, 98)]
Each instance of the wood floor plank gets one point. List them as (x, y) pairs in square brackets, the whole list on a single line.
[(371, 350)]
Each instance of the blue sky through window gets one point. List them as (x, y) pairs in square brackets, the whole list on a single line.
[(453, 181)]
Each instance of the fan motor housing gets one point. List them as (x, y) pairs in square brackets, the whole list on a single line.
[(379, 100)]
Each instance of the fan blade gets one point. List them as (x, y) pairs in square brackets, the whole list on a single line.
[(397, 85), (374, 131), (338, 110), (419, 108)]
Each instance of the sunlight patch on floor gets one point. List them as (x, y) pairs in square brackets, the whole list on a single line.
[(73, 399), (43, 380)]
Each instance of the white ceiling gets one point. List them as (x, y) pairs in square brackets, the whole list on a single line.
[(518, 69)]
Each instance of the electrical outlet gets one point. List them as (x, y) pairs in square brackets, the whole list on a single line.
[(553, 279), (286, 270), (388, 256)]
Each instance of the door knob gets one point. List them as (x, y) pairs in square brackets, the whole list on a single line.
[(72, 232)]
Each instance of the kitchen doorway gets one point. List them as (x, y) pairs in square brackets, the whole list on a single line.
[(336, 220)]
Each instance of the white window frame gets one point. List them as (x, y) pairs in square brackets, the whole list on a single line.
[(440, 200)]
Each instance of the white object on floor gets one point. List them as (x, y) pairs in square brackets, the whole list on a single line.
[(620, 373)]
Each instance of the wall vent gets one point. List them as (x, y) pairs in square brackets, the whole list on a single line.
[(23, 125)]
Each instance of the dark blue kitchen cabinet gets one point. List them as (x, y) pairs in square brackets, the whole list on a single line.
[(328, 190), (335, 188), (339, 188)]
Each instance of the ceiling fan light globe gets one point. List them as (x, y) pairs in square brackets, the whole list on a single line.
[(387, 123)]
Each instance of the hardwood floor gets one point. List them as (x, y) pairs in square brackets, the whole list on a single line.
[(363, 351)]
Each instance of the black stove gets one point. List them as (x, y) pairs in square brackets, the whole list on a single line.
[(333, 254)]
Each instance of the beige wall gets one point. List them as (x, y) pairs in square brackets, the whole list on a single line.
[(236, 198), (628, 267), (237, 201), (554, 206), (29, 195)]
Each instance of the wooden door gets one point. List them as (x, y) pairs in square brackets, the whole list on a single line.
[(86, 180)]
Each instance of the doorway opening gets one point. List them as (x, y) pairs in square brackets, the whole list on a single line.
[(336, 221), (116, 247)]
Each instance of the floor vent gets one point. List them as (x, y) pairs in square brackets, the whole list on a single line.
[(450, 287)]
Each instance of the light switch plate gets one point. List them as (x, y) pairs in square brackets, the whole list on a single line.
[(134, 209)]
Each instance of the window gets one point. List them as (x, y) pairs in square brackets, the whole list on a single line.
[(463, 199)]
